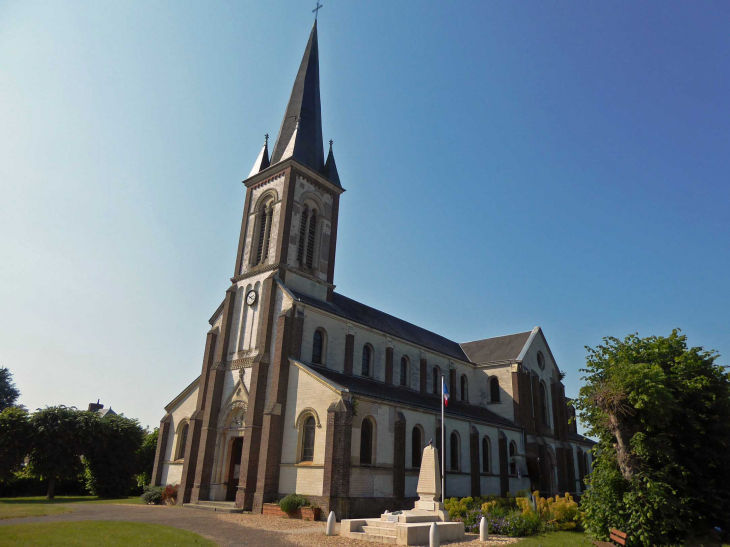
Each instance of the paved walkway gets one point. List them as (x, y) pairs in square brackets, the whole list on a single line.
[(204, 523)]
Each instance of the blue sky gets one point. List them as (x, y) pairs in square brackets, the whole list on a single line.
[(507, 165)]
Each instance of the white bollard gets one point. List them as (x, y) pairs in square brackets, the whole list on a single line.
[(331, 524), (483, 530), (433, 536)]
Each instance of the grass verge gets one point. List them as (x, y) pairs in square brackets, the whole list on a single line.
[(36, 506), (100, 533), (557, 539)]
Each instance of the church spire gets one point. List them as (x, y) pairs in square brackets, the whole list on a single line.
[(300, 135)]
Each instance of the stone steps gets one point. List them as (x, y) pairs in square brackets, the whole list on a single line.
[(363, 536), (219, 506), (378, 530)]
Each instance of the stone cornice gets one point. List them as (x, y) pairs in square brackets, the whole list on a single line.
[(243, 362), (278, 169)]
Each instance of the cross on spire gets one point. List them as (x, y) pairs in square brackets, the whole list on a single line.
[(315, 11)]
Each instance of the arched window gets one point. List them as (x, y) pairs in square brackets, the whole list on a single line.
[(512, 461), (265, 217), (366, 360), (486, 455), (454, 451), (318, 345), (540, 360), (436, 380), (404, 371), (416, 447), (183, 442), (494, 389), (464, 388), (543, 403), (310, 428), (366, 442)]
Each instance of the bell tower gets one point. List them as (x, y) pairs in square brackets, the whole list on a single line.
[(288, 235), (292, 198)]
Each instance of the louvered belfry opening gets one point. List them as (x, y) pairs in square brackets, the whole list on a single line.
[(262, 232), (302, 234), (265, 217), (310, 238)]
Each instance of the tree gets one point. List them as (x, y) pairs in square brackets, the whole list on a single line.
[(15, 435), (146, 457), (661, 413), (8, 392), (60, 436), (111, 460)]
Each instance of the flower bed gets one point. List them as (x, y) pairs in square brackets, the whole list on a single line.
[(525, 515)]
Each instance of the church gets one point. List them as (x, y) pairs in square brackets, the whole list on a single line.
[(304, 390)]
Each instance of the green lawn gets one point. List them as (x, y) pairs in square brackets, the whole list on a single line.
[(99, 533), (36, 506), (557, 539)]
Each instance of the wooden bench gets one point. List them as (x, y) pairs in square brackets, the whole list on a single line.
[(616, 536)]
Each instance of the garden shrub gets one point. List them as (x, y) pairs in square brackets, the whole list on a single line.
[(169, 494), (292, 502), (152, 494)]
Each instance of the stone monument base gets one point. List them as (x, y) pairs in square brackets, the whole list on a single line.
[(405, 528), (411, 527)]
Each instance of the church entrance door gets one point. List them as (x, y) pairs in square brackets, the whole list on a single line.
[(234, 468)]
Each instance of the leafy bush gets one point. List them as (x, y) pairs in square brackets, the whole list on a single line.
[(169, 494), (152, 494), (292, 502)]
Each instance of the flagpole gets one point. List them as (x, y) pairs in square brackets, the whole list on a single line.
[(443, 445)]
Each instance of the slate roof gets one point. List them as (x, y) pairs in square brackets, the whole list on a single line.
[(500, 348), (367, 387), (365, 315)]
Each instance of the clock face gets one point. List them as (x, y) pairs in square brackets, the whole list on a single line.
[(251, 297)]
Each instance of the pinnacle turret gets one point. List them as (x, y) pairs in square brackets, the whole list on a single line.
[(330, 169), (262, 161)]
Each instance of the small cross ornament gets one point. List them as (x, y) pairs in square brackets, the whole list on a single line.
[(315, 11)]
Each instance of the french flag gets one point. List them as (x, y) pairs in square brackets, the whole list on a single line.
[(446, 395)]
